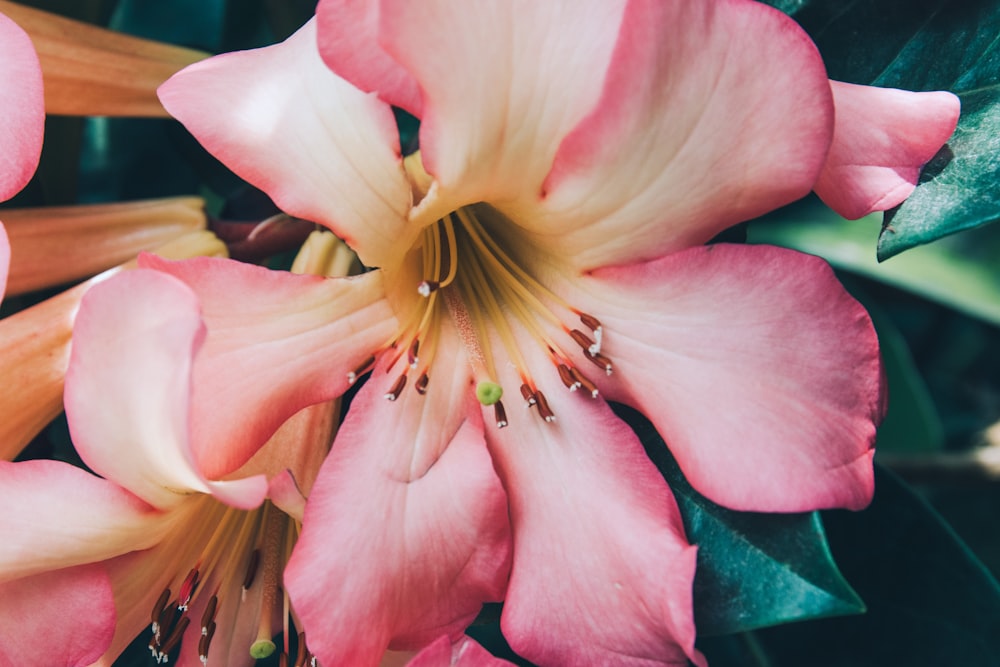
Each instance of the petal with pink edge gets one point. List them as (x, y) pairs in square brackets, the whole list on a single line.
[(602, 573), (881, 140), (22, 108), (502, 84), (128, 390), (89, 519), (322, 149), (347, 31), (276, 343), (463, 653), (758, 369), (74, 605), (712, 113), (405, 533)]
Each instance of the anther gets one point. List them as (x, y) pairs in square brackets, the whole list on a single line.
[(188, 587), (365, 366), (581, 339), (529, 394), (283, 659), (543, 407), (428, 287), (421, 384), (500, 413), (209, 615), (175, 637), (303, 653), (590, 321), (567, 377), (585, 382), (205, 642), (158, 607), (411, 354), (600, 361), (397, 388), (251, 570), (166, 619)]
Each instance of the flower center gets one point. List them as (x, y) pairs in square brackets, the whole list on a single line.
[(469, 276), (234, 558)]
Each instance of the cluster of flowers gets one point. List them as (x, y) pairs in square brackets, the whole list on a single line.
[(544, 250)]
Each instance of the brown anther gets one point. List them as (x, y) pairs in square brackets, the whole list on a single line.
[(600, 361), (421, 384), (411, 355), (363, 368), (209, 615), (165, 621), (543, 407), (500, 413), (581, 339), (161, 604), (529, 394), (188, 588), (428, 287), (206, 641), (303, 653), (590, 321), (397, 388), (175, 637), (283, 659), (584, 382), (566, 375), (251, 569)]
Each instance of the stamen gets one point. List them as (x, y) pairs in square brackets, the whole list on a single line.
[(600, 361), (303, 652), (205, 642), (590, 321), (529, 394), (251, 571), (567, 377), (209, 615), (500, 413), (175, 637), (188, 588), (421, 384), (397, 388), (158, 607), (365, 366), (428, 287), (543, 407), (584, 382), (165, 621), (581, 339), (411, 355)]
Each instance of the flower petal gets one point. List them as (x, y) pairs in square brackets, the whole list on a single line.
[(348, 41), (882, 138), (88, 520), (74, 604), (295, 336), (712, 113), (491, 127), (758, 369), (602, 572), (405, 533), (23, 109), (463, 653), (128, 389), (322, 149)]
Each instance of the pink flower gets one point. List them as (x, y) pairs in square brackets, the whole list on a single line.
[(545, 248)]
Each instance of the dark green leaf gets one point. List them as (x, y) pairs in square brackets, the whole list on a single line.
[(754, 570), (930, 602), (924, 45)]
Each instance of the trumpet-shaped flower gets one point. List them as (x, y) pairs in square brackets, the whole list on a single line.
[(542, 252)]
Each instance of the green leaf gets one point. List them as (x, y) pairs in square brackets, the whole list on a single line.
[(754, 570), (930, 602), (959, 272), (924, 45)]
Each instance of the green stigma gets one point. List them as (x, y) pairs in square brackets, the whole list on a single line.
[(262, 648), (488, 392)]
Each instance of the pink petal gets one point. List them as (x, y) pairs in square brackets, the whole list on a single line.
[(712, 113), (882, 139), (348, 42), (760, 372), (23, 109), (64, 516), (463, 653), (323, 150), (405, 533), (128, 390), (74, 606), (502, 84), (602, 572), (276, 343)]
